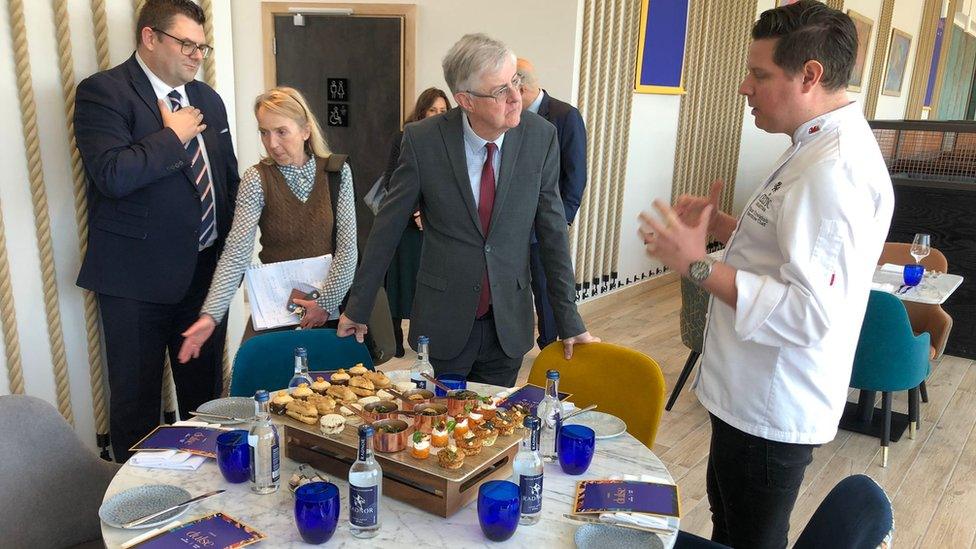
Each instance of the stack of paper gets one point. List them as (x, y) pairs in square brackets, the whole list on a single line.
[(269, 287)]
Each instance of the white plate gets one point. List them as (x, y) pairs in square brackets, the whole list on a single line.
[(242, 407), (600, 536), (140, 501), (604, 425)]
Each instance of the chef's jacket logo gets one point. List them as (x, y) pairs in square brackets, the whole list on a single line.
[(776, 186), (813, 130)]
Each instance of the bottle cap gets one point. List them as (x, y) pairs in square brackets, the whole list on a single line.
[(261, 396), (301, 351), (531, 422), (423, 340), (552, 374), (366, 431)]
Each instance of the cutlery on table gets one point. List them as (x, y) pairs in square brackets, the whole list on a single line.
[(146, 518), (218, 416), (578, 412), (437, 382), (146, 535), (593, 520)]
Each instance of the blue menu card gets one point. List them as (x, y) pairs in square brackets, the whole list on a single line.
[(626, 496), (529, 396), (216, 531), (201, 441)]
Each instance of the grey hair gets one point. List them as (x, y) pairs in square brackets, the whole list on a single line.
[(470, 57)]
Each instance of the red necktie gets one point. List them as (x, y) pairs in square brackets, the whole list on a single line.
[(486, 202)]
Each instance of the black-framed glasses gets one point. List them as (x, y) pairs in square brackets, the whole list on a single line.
[(186, 47), (501, 92)]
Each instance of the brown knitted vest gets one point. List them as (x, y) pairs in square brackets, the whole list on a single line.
[(291, 229)]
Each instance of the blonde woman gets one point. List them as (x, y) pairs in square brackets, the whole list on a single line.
[(301, 196)]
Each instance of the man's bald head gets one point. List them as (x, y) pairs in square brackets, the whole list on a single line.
[(530, 82)]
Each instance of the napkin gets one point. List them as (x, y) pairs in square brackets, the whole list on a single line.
[(638, 519), (171, 459), (884, 287), (892, 268)]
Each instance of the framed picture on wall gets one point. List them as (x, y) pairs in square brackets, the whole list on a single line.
[(661, 47), (901, 43), (864, 26)]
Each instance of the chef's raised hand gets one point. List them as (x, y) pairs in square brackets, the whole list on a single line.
[(675, 243)]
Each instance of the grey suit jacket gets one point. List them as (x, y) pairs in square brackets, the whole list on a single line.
[(432, 169)]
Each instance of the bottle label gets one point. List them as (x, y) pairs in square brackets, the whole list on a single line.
[(530, 490), (363, 505), (362, 448), (555, 432), (275, 459), (419, 381), (534, 440)]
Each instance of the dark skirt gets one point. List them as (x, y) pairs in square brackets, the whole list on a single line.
[(401, 278)]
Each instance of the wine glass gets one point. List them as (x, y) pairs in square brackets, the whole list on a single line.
[(921, 247)]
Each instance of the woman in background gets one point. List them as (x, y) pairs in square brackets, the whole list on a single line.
[(301, 196), (401, 278)]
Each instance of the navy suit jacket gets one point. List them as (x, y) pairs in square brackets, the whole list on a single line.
[(572, 150), (143, 207)]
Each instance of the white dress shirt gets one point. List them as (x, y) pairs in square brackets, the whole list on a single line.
[(475, 155), (778, 366), (162, 89)]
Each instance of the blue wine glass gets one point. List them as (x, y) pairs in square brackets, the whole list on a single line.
[(317, 511), (498, 509), (234, 456), (575, 446), (454, 381)]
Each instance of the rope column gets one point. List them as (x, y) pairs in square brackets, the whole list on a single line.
[(878, 62), (589, 117), (42, 220), (631, 21), (8, 320), (100, 22), (68, 85), (923, 59)]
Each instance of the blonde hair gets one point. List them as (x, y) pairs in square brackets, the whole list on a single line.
[(290, 103)]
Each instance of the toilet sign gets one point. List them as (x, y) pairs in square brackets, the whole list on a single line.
[(338, 115), (338, 89)]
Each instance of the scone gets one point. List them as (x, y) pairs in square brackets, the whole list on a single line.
[(339, 377), (320, 385), (332, 424), (302, 411), (280, 400), (362, 386), (358, 370), (324, 404), (342, 393), (379, 379), (301, 392)]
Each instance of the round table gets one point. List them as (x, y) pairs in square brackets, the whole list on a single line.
[(401, 524)]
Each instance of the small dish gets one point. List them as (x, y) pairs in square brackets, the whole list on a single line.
[(308, 474), (603, 424), (239, 407), (140, 501), (593, 536)]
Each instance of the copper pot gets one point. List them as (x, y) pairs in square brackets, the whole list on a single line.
[(456, 405), (424, 422), (420, 396), (373, 415), (488, 413), (390, 442)]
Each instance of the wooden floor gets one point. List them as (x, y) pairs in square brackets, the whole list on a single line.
[(931, 480)]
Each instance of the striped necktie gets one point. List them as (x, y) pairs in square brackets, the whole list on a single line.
[(201, 179)]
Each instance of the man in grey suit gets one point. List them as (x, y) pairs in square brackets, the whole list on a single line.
[(473, 297)]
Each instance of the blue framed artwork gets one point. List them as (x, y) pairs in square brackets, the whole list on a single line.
[(661, 48)]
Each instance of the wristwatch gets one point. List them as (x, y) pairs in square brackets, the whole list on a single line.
[(699, 270)]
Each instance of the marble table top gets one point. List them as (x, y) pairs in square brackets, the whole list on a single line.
[(401, 524)]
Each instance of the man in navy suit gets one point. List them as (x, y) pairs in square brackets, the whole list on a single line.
[(162, 180), (572, 179)]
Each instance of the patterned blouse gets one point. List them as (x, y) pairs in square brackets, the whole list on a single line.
[(239, 248)]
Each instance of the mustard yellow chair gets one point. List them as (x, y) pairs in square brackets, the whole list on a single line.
[(620, 381)]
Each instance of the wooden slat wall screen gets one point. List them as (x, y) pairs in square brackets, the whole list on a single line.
[(607, 66), (710, 119), (836, 4), (923, 59), (879, 60)]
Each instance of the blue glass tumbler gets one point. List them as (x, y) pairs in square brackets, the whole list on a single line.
[(234, 456), (317, 511), (454, 381), (913, 274), (575, 446), (498, 509)]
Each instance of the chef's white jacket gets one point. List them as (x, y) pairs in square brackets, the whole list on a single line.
[(778, 366)]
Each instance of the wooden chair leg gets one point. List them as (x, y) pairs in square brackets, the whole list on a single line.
[(886, 429), (913, 405), (682, 378), (924, 391)]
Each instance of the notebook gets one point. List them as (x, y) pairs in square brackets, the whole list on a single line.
[(270, 285)]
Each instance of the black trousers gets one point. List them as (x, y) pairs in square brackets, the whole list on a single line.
[(752, 486), (543, 309), (482, 359), (137, 335)]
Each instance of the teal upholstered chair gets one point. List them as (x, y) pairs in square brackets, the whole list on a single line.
[(267, 361), (889, 358)]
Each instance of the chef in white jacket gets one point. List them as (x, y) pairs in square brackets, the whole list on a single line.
[(790, 294)]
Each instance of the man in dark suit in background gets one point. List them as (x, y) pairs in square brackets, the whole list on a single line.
[(572, 179), (162, 180), (485, 175)]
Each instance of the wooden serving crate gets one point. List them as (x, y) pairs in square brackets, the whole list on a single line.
[(421, 483)]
